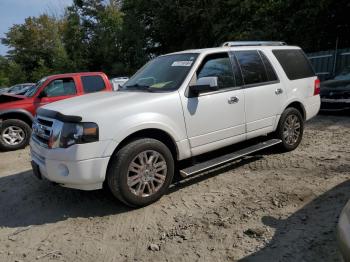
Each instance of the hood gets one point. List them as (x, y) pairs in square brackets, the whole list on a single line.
[(94, 106), (6, 98), (336, 84), (335, 89)]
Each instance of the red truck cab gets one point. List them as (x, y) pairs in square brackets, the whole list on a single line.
[(17, 112)]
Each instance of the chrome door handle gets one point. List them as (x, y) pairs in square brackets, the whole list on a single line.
[(279, 91), (233, 100)]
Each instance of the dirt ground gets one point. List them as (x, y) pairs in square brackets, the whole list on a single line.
[(269, 207)]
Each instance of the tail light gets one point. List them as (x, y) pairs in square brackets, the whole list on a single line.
[(317, 87)]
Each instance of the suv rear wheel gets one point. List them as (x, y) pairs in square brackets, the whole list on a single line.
[(290, 129), (14, 134), (141, 172)]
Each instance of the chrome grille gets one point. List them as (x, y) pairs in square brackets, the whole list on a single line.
[(42, 130)]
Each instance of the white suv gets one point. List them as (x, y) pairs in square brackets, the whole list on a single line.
[(176, 107)]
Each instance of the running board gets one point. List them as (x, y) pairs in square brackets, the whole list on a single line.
[(221, 160)]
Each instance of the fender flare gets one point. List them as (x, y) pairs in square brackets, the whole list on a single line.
[(300, 103), (17, 111)]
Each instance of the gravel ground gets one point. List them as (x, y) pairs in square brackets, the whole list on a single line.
[(269, 207)]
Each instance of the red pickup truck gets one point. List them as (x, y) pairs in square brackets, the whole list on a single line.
[(17, 112)]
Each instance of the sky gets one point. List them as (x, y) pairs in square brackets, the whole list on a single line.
[(15, 11)]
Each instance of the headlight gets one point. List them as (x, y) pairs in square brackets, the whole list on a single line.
[(70, 134)]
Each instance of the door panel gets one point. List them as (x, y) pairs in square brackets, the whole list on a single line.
[(215, 119), (262, 106), (212, 118), (264, 94), (57, 89), (47, 100)]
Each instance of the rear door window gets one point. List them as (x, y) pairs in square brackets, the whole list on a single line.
[(93, 84), (294, 63), (253, 69), (270, 72)]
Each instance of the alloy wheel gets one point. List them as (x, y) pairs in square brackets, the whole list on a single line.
[(146, 173), (291, 129), (13, 135)]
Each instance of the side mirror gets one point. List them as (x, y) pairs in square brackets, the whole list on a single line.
[(42, 94), (205, 84)]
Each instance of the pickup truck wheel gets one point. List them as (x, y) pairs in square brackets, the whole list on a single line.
[(141, 172), (290, 129), (14, 134)]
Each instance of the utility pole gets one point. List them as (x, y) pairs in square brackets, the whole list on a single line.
[(335, 56)]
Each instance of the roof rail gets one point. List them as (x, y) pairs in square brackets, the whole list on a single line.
[(253, 43)]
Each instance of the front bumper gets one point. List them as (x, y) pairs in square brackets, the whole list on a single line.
[(335, 104), (80, 166), (343, 233)]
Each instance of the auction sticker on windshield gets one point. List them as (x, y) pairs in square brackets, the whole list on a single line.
[(182, 63)]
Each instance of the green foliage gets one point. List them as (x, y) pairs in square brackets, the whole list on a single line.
[(36, 46), (4, 80), (93, 36), (119, 36), (182, 24)]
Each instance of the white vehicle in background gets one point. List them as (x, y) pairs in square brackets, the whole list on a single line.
[(118, 82), (177, 107), (3, 90), (20, 89)]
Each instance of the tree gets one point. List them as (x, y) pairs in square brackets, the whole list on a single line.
[(93, 35), (119, 36), (170, 25), (37, 44), (4, 80), (74, 39)]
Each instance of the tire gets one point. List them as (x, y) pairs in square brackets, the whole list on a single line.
[(145, 175), (14, 134), (289, 115)]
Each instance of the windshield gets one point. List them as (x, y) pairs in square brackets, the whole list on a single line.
[(344, 74), (32, 90), (164, 73)]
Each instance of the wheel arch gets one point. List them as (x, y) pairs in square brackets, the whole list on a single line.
[(154, 133), (299, 106), (19, 114)]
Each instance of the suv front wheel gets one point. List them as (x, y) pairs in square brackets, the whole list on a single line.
[(140, 172), (290, 129)]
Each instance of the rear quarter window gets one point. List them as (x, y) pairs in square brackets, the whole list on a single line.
[(93, 84), (294, 63)]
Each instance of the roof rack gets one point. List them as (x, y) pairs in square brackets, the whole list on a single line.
[(253, 43)]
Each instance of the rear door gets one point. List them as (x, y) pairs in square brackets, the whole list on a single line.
[(57, 89), (264, 93)]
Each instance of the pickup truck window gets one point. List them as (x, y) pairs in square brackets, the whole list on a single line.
[(252, 67), (93, 84), (60, 87), (164, 73), (218, 65), (32, 91)]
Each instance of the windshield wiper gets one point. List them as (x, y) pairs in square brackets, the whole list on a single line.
[(139, 87)]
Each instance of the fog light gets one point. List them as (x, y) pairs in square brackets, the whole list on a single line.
[(63, 170)]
